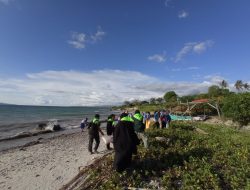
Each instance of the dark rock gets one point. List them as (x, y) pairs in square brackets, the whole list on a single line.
[(41, 126), (57, 127)]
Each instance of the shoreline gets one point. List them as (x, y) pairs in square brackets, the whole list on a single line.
[(46, 163)]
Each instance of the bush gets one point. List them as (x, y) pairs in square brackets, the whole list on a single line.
[(237, 107)]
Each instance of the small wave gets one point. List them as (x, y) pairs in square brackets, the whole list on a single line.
[(72, 127)]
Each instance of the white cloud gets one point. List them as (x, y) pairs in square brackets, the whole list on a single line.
[(193, 47), (202, 46), (103, 87), (98, 35), (160, 58), (183, 14), (215, 79), (80, 40)]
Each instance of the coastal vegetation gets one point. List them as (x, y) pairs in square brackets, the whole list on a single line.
[(188, 156), (232, 105)]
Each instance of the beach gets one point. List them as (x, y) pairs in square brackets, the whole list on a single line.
[(46, 163)]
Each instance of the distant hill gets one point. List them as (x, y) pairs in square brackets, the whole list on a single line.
[(5, 104)]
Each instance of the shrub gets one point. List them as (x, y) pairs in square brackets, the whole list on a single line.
[(237, 107)]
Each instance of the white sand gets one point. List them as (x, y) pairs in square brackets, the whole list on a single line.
[(48, 165)]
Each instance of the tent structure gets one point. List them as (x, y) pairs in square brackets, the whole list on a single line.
[(191, 105)]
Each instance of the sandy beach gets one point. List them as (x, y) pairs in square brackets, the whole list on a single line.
[(49, 164)]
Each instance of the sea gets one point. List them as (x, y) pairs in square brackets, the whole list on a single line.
[(18, 119)]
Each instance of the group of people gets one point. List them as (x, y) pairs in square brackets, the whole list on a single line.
[(126, 131), (162, 119)]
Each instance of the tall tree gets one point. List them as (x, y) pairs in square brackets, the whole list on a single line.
[(170, 96), (223, 84), (246, 86), (239, 85)]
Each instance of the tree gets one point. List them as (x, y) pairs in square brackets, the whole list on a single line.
[(223, 84), (246, 86), (152, 100), (236, 107), (214, 91), (188, 98), (126, 103), (239, 85), (170, 96), (159, 100)]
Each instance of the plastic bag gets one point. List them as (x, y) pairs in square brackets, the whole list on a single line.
[(107, 139)]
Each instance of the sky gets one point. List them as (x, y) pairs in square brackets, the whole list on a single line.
[(103, 52)]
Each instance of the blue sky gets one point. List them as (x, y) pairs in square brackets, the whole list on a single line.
[(77, 52)]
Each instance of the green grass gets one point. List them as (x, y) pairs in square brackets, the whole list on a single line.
[(188, 160)]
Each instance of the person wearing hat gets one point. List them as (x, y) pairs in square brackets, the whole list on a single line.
[(94, 130), (125, 142)]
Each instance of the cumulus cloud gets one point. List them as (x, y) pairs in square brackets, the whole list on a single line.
[(193, 47), (183, 14), (103, 87), (160, 58), (80, 40)]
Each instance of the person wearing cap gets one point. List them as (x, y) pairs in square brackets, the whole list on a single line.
[(140, 127), (125, 142), (94, 130)]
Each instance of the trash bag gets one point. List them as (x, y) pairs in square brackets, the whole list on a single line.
[(107, 139)]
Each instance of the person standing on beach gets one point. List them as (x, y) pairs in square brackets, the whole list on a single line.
[(125, 142), (84, 123), (140, 127), (94, 130), (110, 128)]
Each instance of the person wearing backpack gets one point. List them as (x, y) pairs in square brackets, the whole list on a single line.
[(94, 130)]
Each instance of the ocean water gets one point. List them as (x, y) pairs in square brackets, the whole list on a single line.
[(15, 119)]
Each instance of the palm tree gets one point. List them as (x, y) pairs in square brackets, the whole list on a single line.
[(246, 86), (239, 85), (224, 84)]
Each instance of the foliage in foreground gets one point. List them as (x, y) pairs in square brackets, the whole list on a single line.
[(187, 160)]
